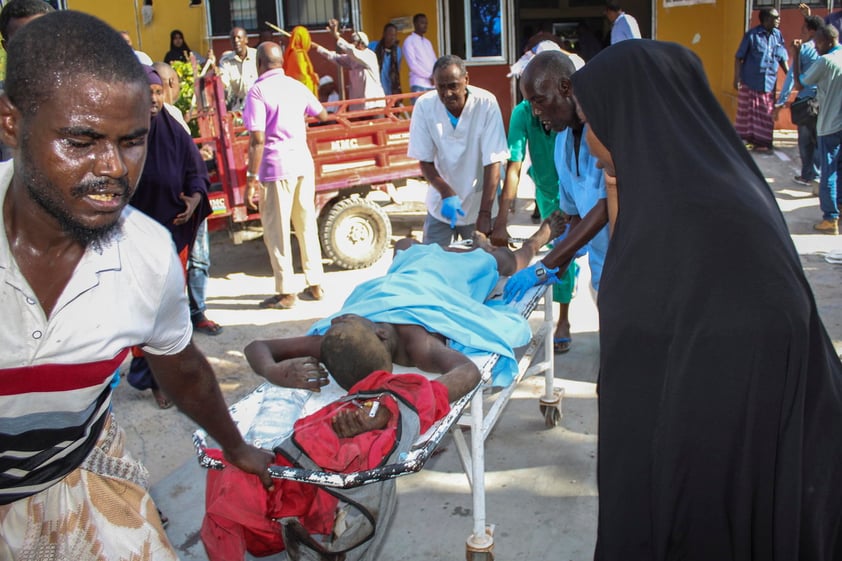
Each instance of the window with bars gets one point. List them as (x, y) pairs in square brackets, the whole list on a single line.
[(758, 4), (244, 14), (251, 14), (316, 13)]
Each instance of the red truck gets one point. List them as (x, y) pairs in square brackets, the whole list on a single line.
[(356, 153)]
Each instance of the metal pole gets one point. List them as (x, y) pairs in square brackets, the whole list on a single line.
[(137, 26)]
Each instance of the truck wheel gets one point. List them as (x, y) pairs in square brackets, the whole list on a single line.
[(355, 232)]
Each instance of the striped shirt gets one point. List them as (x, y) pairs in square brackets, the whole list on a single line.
[(55, 372)]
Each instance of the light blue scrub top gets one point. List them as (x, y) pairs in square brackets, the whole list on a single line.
[(580, 188)]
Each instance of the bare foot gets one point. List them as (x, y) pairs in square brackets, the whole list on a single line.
[(480, 241), (550, 229), (161, 399), (557, 222)]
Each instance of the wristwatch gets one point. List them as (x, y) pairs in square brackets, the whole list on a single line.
[(541, 273)]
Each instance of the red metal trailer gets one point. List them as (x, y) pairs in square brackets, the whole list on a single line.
[(356, 153)]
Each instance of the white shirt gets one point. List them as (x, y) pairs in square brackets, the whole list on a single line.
[(131, 292), (363, 72), (175, 113), (143, 58), (625, 27), (238, 76), (420, 57), (459, 153)]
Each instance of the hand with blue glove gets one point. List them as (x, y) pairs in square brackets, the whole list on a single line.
[(582, 251), (534, 275), (450, 208)]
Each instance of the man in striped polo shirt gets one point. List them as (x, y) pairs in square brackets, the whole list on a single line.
[(83, 277)]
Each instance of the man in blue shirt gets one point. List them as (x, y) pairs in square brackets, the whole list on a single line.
[(546, 84), (826, 73), (760, 53), (807, 139), (623, 25)]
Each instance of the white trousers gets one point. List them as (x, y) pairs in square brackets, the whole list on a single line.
[(283, 203)]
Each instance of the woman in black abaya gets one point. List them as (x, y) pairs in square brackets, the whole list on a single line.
[(179, 50), (720, 397)]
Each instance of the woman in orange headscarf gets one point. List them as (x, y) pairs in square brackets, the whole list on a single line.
[(297, 62)]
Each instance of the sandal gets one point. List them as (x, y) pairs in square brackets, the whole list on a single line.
[(561, 345), (164, 520), (162, 400), (279, 302), (206, 326), (312, 292)]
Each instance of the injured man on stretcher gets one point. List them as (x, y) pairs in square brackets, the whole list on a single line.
[(429, 311)]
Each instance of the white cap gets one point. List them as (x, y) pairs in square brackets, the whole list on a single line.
[(360, 36), (546, 46), (326, 79)]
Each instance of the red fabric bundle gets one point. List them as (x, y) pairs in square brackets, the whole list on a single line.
[(240, 514)]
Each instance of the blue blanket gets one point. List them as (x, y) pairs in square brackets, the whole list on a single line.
[(445, 293)]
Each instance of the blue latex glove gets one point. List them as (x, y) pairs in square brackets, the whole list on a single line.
[(582, 251), (534, 275), (450, 208)]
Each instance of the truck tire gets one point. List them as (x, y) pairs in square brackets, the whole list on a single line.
[(355, 232)]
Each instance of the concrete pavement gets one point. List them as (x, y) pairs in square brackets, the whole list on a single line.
[(540, 483)]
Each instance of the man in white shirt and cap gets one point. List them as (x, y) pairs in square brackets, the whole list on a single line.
[(362, 65)]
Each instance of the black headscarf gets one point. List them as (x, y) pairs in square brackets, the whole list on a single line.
[(720, 416), (173, 166), (177, 53)]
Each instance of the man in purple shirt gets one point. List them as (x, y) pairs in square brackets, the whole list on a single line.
[(420, 56), (280, 164)]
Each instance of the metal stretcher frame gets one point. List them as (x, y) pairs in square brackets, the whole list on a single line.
[(479, 545)]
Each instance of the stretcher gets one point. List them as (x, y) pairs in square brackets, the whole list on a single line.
[(266, 416)]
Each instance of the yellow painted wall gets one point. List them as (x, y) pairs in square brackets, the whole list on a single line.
[(153, 39), (376, 13), (712, 31)]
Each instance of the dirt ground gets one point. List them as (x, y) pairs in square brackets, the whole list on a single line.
[(541, 483)]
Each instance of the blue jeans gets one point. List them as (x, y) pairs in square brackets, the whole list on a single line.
[(414, 89), (198, 267), (808, 144), (828, 193)]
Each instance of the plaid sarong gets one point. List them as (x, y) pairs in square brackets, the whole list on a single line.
[(754, 116)]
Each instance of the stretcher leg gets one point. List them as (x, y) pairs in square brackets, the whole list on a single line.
[(550, 403), (480, 539), (481, 548), (549, 353), (464, 454)]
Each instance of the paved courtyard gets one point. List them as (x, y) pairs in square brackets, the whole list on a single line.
[(541, 483)]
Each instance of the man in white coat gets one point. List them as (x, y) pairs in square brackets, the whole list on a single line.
[(457, 135)]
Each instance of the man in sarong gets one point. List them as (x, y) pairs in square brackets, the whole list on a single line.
[(84, 278), (760, 53)]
